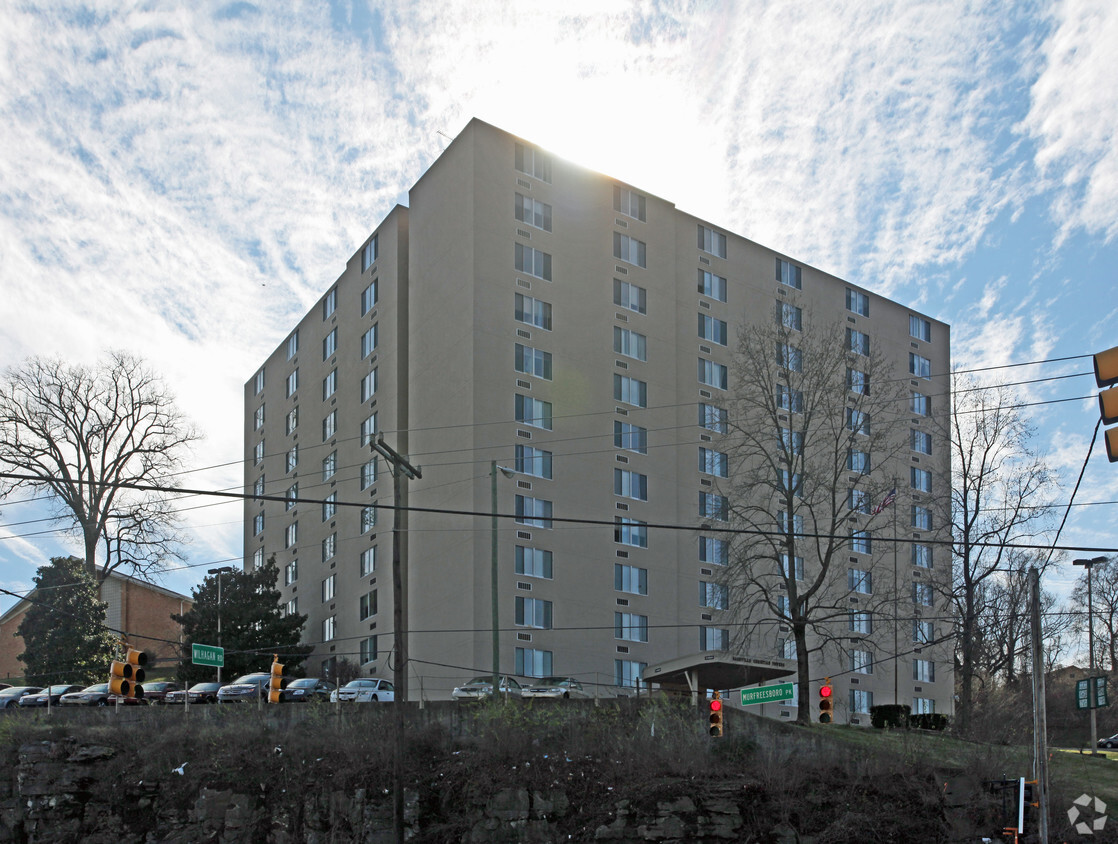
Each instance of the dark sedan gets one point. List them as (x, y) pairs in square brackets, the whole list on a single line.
[(199, 693), (9, 698), (97, 695), (306, 689), (154, 692), (55, 693)]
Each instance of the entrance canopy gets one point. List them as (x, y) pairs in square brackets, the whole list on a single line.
[(715, 670)]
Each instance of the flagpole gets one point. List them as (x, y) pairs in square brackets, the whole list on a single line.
[(896, 611)]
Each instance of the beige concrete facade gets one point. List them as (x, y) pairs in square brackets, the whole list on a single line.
[(462, 283)]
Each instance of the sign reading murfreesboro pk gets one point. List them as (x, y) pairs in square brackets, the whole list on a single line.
[(767, 694), (207, 655)]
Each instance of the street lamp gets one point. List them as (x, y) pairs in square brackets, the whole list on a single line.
[(1092, 695), (219, 572), (508, 473)]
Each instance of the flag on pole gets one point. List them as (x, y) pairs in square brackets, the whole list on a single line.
[(886, 501)]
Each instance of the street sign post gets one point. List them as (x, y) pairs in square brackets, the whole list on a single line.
[(767, 694), (207, 655)]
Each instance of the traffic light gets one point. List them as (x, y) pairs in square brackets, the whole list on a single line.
[(716, 714), (1106, 375), (275, 684), (125, 676), (826, 704)]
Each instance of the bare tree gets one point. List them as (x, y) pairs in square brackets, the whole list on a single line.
[(1000, 495), (79, 433), (810, 409)]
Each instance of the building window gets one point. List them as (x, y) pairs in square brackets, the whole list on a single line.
[(329, 506), (630, 203), (858, 461), (789, 399), (328, 588), (923, 632), (919, 366), (258, 382), (368, 649), (630, 532), (630, 343), (861, 541), (630, 437), (796, 525), (290, 496), (921, 555), (714, 596), (258, 524), (530, 411), (533, 562), (532, 362), (861, 701), (921, 404), (922, 595), (533, 162), (858, 342), (367, 605), (789, 357), (791, 482), (714, 462), (291, 421), (787, 649), (857, 381), (258, 453), (329, 625), (790, 316), (291, 608), (861, 662), (923, 706), (714, 639), (795, 571), (367, 562), (369, 254), (630, 484), (712, 329), (919, 328), (369, 340), (627, 673), (859, 501), (329, 547), (921, 479), (368, 430), (791, 442), (330, 384), (368, 518), (290, 572), (329, 466), (329, 425), (532, 212), (532, 612), (921, 441), (713, 374), (783, 607), (293, 344), (533, 461), (369, 385), (291, 535), (712, 285), (533, 311), (858, 421), (532, 662), (535, 512), (713, 418), (258, 487), (629, 249), (292, 457), (629, 296), (630, 627), (860, 621), (921, 517), (789, 274), (712, 241), (715, 552), (369, 297), (368, 473), (857, 303), (860, 581), (330, 345), (532, 262), (713, 506), (330, 304), (292, 382), (923, 671), (631, 579), (630, 390)]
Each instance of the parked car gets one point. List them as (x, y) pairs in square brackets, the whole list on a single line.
[(156, 692), (246, 689), (5, 686), (306, 689), (555, 688), (365, 690), (1109, 742), (96, 695), (54, 692), (199, 693), (482, 687), (9, 698)]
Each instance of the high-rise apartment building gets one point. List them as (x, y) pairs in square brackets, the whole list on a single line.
[(580, 333)]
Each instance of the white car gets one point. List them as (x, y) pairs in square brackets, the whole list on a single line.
[(555, 688), (482, 687), (365, 690)]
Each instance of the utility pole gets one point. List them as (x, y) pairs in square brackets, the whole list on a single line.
[(400, 467), (1040, 716)]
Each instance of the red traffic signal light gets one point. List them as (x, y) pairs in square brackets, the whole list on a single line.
[(826, 705), (716, 714)]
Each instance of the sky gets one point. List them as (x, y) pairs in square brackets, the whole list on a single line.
[(183, 181)]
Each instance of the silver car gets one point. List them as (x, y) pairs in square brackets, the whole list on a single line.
[(245, 689), (482, 687), (365, 690), (555, 688)]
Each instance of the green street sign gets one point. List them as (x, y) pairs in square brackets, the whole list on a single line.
[(767, 694), (1083, 697), (207, 655)]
